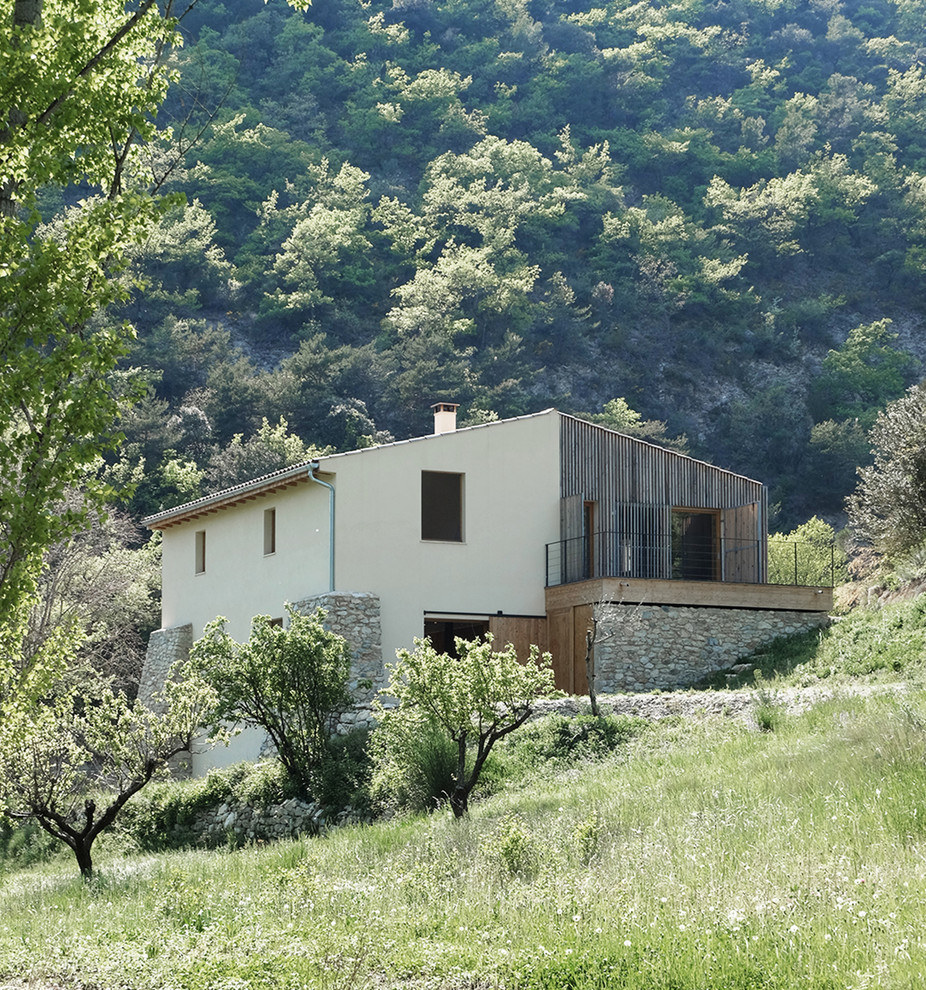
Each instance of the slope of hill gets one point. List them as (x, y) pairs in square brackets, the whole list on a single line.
[(714, 210)]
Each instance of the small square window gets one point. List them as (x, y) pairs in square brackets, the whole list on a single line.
[(442, 506), (270, 531), (201, 551)]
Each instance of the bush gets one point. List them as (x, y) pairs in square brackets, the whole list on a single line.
[(290, 681), (165, 815), (564, 740), (24, 843), (414, 765), (473, 699), (344, 776)]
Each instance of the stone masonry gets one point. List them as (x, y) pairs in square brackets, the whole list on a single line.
[(165, 648), (661, 647), (356, 617)]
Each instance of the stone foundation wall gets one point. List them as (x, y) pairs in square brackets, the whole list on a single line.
[(356, 617), (661, 647)]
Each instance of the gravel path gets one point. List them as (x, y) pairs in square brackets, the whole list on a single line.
[(738, 704)]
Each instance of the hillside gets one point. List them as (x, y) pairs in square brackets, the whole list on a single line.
[(716, 211), (702, 853)]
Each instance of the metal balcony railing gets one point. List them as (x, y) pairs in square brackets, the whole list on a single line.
[(657, 556)]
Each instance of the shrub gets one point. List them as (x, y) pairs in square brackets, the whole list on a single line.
[(164, 817), (474, 699), (565, 740), (291, 682), (414, 763)]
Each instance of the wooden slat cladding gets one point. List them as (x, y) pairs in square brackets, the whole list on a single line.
[(519, 630), (609, 468)]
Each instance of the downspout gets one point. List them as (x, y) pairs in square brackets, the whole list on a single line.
[(313, 467)]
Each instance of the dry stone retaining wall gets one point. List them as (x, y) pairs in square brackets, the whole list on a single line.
[(247, 823), (661, 647)]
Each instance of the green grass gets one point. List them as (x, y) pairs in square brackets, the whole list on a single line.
[(877, 644), (698, 855)]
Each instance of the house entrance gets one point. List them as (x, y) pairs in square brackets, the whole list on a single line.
[(695, 535)]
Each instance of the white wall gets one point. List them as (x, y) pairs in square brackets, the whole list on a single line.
[(239, 581)]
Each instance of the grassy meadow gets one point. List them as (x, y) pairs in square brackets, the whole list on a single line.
[(702, 853)]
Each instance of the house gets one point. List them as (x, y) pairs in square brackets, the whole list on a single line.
[(516, 527)]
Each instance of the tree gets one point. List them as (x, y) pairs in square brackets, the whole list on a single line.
[(860, 377), (618, 415), (888, 508), (106, 581), (82, 81), (73, 761), (269, 449), (808, 555), (474, 699), (291, 682)]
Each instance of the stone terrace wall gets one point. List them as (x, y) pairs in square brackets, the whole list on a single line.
[(356, 617), (661, 647)]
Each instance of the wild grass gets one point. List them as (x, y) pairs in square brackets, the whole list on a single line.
[(699, 855), (875, 644)]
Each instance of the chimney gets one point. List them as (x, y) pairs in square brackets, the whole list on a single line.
[(445, 417)]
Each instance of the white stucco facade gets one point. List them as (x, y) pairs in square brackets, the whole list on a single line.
[(510, 512)]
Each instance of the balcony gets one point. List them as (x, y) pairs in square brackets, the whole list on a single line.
[(666, 570)]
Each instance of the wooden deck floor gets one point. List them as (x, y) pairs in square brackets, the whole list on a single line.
[(714, 594)]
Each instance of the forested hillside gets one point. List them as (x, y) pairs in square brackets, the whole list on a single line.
[(715, 210)]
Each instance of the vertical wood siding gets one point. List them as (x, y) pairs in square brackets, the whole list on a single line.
[(636, 486)]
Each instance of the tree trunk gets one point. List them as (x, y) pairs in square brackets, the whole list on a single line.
[(459, 802), (590, 666)]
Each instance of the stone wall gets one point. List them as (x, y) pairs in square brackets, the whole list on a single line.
[(356, 617), (165, 648), (247, 823), (661, 647)]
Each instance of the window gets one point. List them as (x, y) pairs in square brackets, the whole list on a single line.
[(442, 506), (201, 551), (270, 531)]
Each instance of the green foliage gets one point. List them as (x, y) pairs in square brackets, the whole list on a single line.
[(268, 449), (414, 764), (72, 762), (164, 815), (888, 508), (472, 700), (862, 376), (291, 682), (560, 741), (808, 555)]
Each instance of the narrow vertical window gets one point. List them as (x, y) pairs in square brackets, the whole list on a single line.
[(201, 551), (270, 531), (442, 506)]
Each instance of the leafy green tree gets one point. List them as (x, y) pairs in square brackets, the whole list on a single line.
[(888, 508), (861, 377), (269, 449), (473, 699), (808, 555), (292, 682), (618, 415), (81, 84), (72, 762)]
